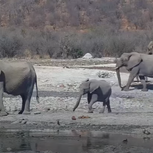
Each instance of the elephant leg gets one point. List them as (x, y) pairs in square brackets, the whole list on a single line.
[(89, 97), (108, 106), (106, 103), (143, 81), (26, 102), (23, 103), (103, 109), (146, 79), (137, 78), (94, 98), (133, 74), (27, 105), (2, 108)]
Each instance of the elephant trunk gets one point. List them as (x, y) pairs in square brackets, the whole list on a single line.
[(77, 103), (119, 77)]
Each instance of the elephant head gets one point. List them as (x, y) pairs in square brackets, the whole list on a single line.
[(129, 60), (86, 87), (150, 48)]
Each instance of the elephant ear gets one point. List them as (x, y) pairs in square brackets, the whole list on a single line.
[(93, 86), (134, 60)]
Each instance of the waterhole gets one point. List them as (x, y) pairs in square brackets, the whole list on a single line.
[(73, 141)]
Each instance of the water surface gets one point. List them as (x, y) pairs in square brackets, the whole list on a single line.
[(73, 142)]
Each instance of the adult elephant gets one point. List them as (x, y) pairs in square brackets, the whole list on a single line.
[(96, 90), (149, 52), (136, 64), (17, 78)]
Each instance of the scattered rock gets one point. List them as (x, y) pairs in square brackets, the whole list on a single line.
[(146, 132), (15, 122), (9, 149), (35, 113), (125, 141), (146, 138), (21, 121), (83, 117), (66, 67), (73, 118), (24, 122), (47, 109), (58, 122), (102, 74), (106, 135), (87, 56)]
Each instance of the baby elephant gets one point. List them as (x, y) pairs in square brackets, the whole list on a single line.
[(96, 90)]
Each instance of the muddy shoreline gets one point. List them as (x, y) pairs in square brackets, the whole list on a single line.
[(58, 83), (25, 123)]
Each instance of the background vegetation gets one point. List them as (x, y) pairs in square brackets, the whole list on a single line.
[(69, 28)]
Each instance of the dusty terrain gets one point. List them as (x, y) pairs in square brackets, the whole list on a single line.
[(58, 82)]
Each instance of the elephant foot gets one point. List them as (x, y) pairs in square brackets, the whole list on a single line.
[(26, 113), (109, 111), (144, 89), (3, 113), (101, 111), (20, 112), (125, 89), (90, 111)]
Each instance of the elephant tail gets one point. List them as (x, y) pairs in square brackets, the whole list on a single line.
[(37, 95)]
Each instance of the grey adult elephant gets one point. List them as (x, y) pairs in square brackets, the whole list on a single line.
[(17, 78), (149, 52), (136, 64), (96, 90)]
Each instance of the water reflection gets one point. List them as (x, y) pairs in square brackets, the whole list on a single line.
[(68, 142)]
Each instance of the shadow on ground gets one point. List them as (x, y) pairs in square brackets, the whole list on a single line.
[(139, 86)]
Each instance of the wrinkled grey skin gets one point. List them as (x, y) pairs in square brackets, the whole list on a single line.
[(17, 78), (136, 64), (96, 90)]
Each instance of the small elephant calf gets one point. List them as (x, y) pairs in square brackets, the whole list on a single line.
[(96, 90)]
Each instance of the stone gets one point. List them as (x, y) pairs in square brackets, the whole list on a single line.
[(35, 113), (9, 149), (102, 74), (87, 56), (73, 118), (47, 109), (24, 122), (15, 122)]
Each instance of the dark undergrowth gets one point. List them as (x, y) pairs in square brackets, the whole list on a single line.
[(37, 28), (99, 41)]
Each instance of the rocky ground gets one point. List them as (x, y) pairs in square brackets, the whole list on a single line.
[(58, 82)]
